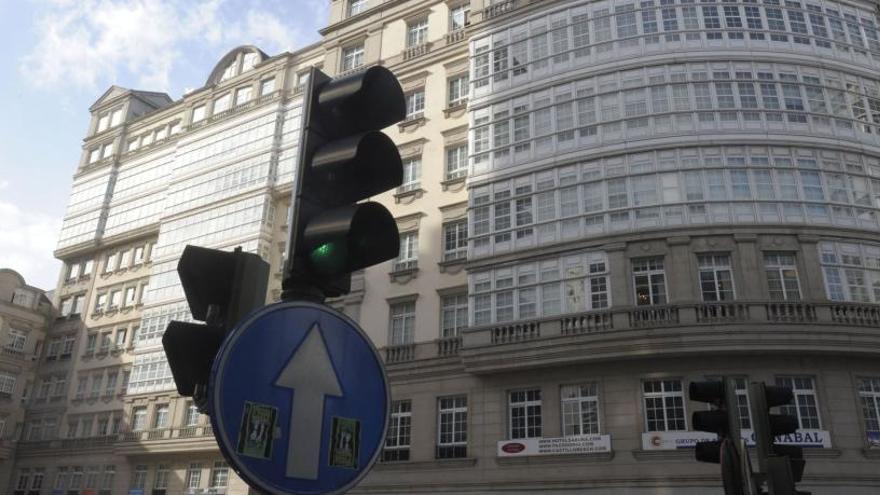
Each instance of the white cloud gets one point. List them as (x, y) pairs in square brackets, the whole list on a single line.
[(93, 43), (26, 244)]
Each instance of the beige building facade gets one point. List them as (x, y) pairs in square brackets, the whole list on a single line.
[(602, 202)]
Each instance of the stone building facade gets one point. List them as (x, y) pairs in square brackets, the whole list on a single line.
[(602, 201)]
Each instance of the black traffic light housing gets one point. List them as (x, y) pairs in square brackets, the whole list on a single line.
[(344, 159), (221, 287), (723, 421), (783, 465)]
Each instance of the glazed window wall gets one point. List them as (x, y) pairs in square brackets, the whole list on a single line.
[(570, 284), (150, 373), (89, 191), (219, 184), (244, 138), (685, 186), (674, 100), (290, 137), (852, 271), (154, 322), (78, 229), (143, 175), (592, 32), (134, 214)]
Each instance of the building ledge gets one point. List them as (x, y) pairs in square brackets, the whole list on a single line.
[(454, 185), (555, 459), (464, 462)]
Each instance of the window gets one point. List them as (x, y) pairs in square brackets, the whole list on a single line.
[(198, 113), (456, 162), (194, 476), (356, 7), (110, 387), (408, 258), (161, 482), (192, 415), (782, 277), (412, 174), (219, 475), (455, 240), (138, 418), (852, 271), (352, 57), (100, 303), (7, 383), (138, 478), (397, 440), (129, 296), (115, 299), (107, 479), (716, 282), (138, 255), (243, 95), (97, 379), (221, 104), (67, 347), (160, 420), (91, 343), (103, 122), (458, 90), (869, 396), (649, 279), (805, 407), (403, 323), (415, 104), (120, 337), (664, 405), (452, 427), (94, 155), (458, 16), (453, 315), (16, 340), (416, 32), (524, 409), (267, 86), (580, 409)]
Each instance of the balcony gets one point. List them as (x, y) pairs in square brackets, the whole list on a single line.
[(167, 440), (673, 330)]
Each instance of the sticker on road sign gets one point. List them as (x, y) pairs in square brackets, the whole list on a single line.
[(344, 443), (257, 430), (299, 400)]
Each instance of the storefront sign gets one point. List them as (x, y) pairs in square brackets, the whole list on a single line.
[(581, 444), (671, 440), (802, 438)]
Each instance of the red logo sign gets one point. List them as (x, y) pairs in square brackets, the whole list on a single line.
[(513, 448)]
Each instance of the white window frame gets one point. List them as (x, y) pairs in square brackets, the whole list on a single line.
[(805, 397), (402, 323), (408, 257), (452, 307), (711, 270), (783, 265), (352, 57), (355, 7), (449, 415), (194, 475), (397, 443), (456, 161), (532, 398), (412, 175), (455, 232), (869, 398), (575, 401), (417, 32), (458, 90), (219, 475), (458, 16), (644, 275), (415, 104), (668, 397)]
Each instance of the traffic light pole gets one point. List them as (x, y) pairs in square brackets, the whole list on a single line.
[(294, 285)]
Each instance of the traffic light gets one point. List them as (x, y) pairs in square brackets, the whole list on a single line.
[(723, 421), (221, 287), (344, 159), (783, 465)]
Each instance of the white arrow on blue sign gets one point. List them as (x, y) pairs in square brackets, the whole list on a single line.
[(299, 400)]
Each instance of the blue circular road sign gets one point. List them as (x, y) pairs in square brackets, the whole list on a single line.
[(299, 400)]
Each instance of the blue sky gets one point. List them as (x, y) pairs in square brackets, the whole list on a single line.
[(61, 55)]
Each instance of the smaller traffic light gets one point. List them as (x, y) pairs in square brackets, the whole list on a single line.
[(344, 160), (783, 465), (221, 287), (723, 420)]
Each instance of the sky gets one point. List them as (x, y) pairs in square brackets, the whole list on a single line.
[(61, 55)]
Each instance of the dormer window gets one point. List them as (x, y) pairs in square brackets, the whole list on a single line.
[(94, 155), (243, 95), (198, 113), (221, 104), (104, 122)]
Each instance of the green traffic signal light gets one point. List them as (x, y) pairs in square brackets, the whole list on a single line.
[(330, 257)]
